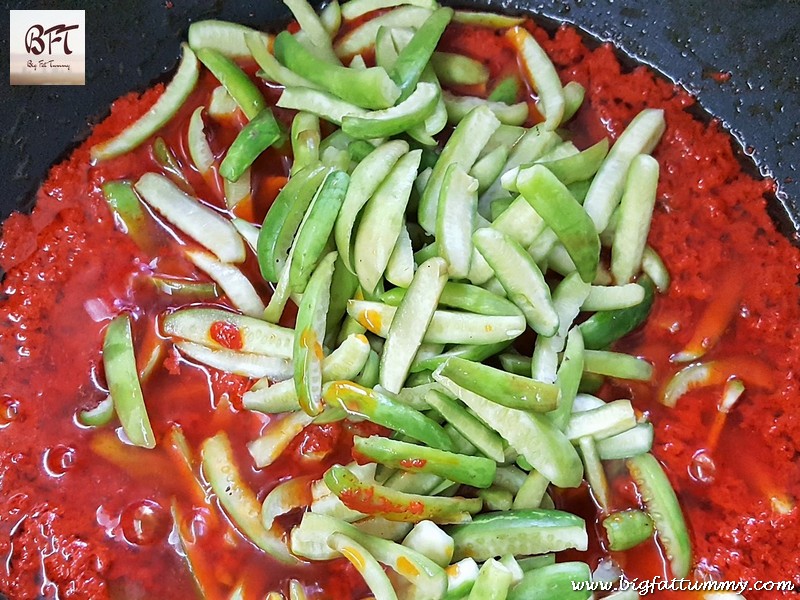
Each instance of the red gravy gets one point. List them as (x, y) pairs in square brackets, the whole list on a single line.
[(83, 516)]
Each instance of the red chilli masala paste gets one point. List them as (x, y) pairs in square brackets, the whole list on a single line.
[(82, 516)]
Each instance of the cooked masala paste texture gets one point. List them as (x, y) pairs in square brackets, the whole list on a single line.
[(83, 516)]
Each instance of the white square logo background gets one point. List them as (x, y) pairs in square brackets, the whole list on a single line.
[(47, 47)]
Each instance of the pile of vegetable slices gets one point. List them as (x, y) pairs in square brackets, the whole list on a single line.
[(420, 239)]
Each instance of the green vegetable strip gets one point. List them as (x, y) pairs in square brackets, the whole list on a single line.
[(578, 167), (414, 483), (119, 363), (271, 69), (365, 180), (475, 353), (314, 231), (627, 529), (284, 218), (369, 568), (457, 69), (595, 474), (159, 114), (430, 540), (458, 107), (541, 74), (259, 134), (359, 150), (309, 541), (562, 213), (370, 374), (567, 300), (640, 137), (407, 114), (331, 18), (344, 286), (518, 532), (463, 148), (663, 507), (385, 50), (226, 38), (345, 362), (521, 278), (487, 441), (471, 470), (397, 506), (463, 296), (437, 121), (487, 169), (515, 363), (568, 378), (382, 222), (532, 145), (238, 500), (363, 37), (99, 415), (554, 582), (520, 222), (309, 334), (238, 363), (195, 219), (530, 434), (603, 328), (255, 335), (199, 149), (493, 582), (165, 157), (276, 437), (379, 408), (632, 442), (312, 26), (655, 269), (487, 19), (461, 578), (400, 268), (305, 141), (532, 491), (356, 8), (446, 327), (573, 99), (616, 364), (318, 102), (495, 498), (410, 322), (285, 497), (231, 280), (127, 207), (235, 81), (296, 591), (368, 88), (504, 388), (414, 57), (221, 106), (606, 420), (635, 212), (506, 91), (458, 202), (613, 297)]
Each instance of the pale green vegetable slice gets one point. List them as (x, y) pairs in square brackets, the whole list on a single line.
[(410, 323)]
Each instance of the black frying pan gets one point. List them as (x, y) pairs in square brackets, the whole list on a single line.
[(132, 43)]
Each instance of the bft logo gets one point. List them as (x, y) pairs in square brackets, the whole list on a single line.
[(57, 34), (48, 47)]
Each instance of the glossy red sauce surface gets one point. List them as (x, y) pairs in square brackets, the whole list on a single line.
[(84, 516)]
